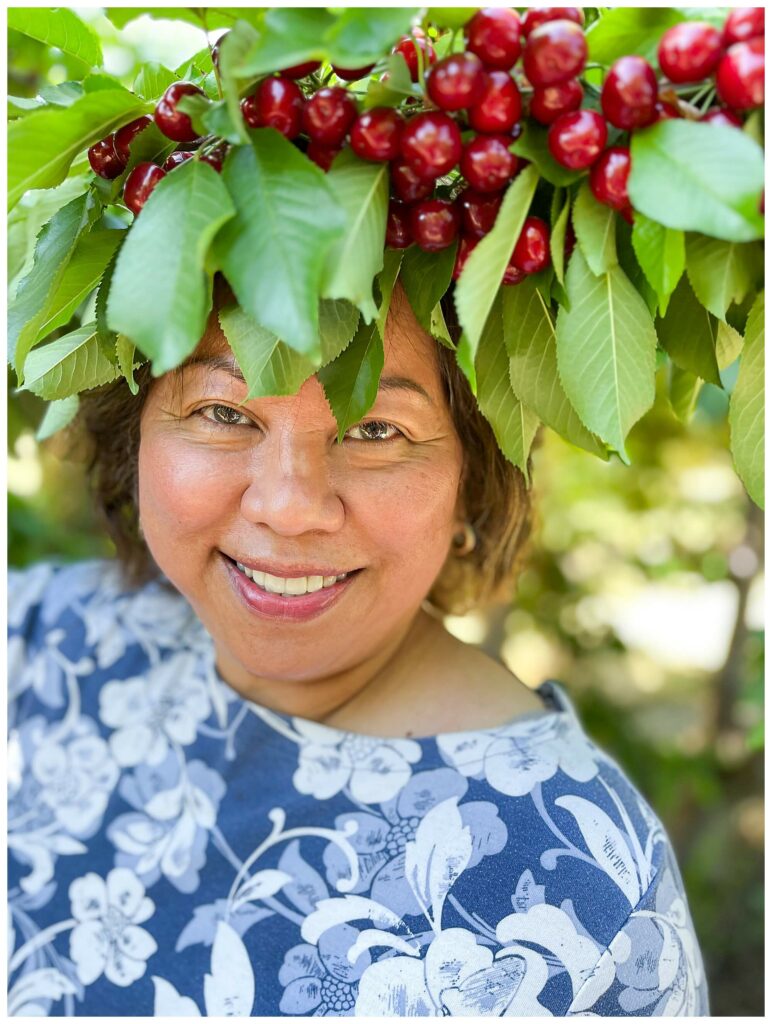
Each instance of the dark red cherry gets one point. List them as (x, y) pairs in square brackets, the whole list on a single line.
[(456, 82), (512, 274), (406, 45), (629, 94), (465, 247), (322, 156), (434, 223), (479, 211), (608, 177), (536, 16), (407, 185), (399, 234), (722, 115), (375, 135), (576, 140), (499, 106), (172, 122), (216, 157), (104, 160), (554, 52), (665, 111), (352, 74), (139, 184), (690, 51), (742, 24), (431, 144), (328, 115), (177, 158), (125, 136), (550, 101), (740, 75), (277, 103), (302, 70), (532, 251), (487, 163), (493, 33)]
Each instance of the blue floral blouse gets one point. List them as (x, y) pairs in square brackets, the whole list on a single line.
[(176, 850)]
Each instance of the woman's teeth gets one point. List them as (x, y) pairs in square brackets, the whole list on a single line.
[(289, 587)]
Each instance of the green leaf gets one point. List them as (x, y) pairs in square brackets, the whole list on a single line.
[(594, 224), (208, 17), (532, 145), (479, 284), (558, 240), (683, 391), (450, 17), (269, 366), (351, 381), (20, 106), (338, 322), (153, 80), (360, 35), (124, 353), (746, 407), (698, 176), (57, 416), (606, 351), (163, 261), (239, 41), (385, 282), (688, 334), (729, 343), (623, 30), (42, 145), (661, 255), (362, 190), (529, 336), (68, 365), (512, 422), (273, 251), (391, 91), (721, 272), (106, 338), (59, 27), (426, 277), (53, 251)]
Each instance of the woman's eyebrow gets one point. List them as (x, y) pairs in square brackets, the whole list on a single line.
[(391, 382)]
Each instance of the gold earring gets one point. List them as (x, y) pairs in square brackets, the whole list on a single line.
[(465, 540)]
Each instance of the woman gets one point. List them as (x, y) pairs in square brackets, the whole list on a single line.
[(228, 802)]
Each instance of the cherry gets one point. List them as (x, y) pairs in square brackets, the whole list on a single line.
[(576, 140), (493, 34), (328, 115), (302, 70), (740, 75), (375, 134), (629, 94), (431, 144), (457, 81), (532, 251), (536, 16), (608, 177), (465, 247), (139, 184), (665, 111), (723, 115), (479, 211), (321, 155), (406, 45), (177, 158), (487, 164), (434, 223), (499, 106), (550, 101), (554, 52), (408, 186), (690, 51), (215, 157), (172, 122), (743, 23), (279, 104), (399, 234), (125, 136), (104, 160), (352, 74)]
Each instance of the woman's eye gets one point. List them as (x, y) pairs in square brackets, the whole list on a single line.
[(373, 428), (374, 431), (223, 416)]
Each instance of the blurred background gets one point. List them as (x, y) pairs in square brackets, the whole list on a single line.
[(643, 592)]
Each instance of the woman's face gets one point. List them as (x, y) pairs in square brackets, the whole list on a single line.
[(267, 482)]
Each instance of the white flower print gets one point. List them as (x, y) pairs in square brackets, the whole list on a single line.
[(26, 587), (164, 705), (107, 938), (76, 780)]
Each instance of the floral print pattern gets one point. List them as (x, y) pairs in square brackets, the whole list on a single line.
[(177, 850)]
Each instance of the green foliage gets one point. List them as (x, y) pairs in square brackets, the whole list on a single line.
[(688, 335), (59, 27), (623, 30), (72, 363), (746, 407), (426, 277), (594, 225), (721, 272), (351, 381), (661, 254)]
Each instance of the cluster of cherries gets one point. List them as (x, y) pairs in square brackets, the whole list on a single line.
[(477, 91)]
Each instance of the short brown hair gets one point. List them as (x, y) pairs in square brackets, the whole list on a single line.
[(106, 435)]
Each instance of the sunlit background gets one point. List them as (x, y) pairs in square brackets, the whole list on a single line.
[(643, 593)]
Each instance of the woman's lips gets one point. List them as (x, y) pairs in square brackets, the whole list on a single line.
[(287, 609)]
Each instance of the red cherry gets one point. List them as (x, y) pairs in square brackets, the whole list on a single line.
[(629, 94), (554, 52), (494, 35), (550, 101), (215, 157), (328, 115), (375, 135), (740, 75), (512, 274), (487, 163), (352, 74), (665, 111), (723, 115), (536, 16), (457, 81), (406, 45), (576, 140), (322, 156), (104, 160), (431, 144), (408, 186), (532, 251), (627, 213), (139, 184), (277, 103), (690, 51), (608, 177), (479, 211), (399, 234), (124, 136), (302, 70), (465, 247), (743, 23), (177, 158), (434, 223), (499, 106), (172, 122)]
